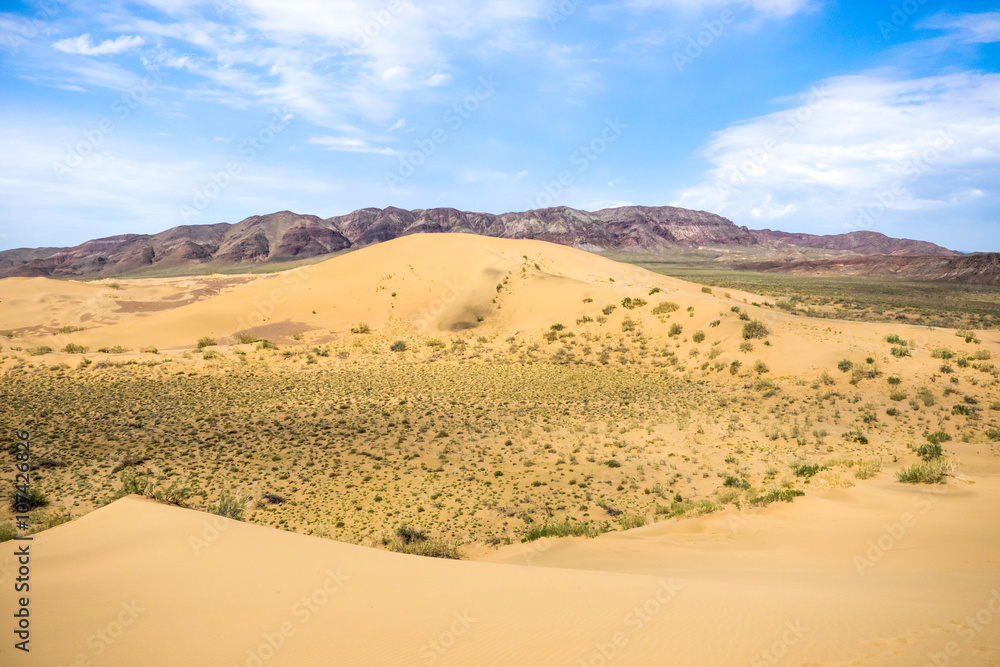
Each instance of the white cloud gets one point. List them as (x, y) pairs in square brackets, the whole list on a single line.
[(438, 79), (83, 46), (981, 28), (855, 144), (770, 8), (349, 145)]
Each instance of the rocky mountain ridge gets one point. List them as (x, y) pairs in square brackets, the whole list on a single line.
[(285, 236)]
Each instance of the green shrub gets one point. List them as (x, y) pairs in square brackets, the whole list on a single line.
[(628, 325), (398, 346), (715, 323), (929, 451), (266, 345), (39, 351), (73, 348), (807, 471), (245, 338), (734, 367), (938, 437), (755, 329), (785, 496), (736, 482), (654, 291), (927, 396), (33, 498), (867, 469), (675, 330), (560, 529), (362, 328), (897, 395), (205, 341), (613, 463), (664, 307), (230, 505), (630, 303), (760, 367), (845, 365), (893, 338), (698, 336), (175, 494), (608, 309), (7, 532), (893, 380), (629, 521), (929, 472), (427, 547), (900, 351), (706, 290)]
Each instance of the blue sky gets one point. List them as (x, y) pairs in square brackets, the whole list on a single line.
[(801, 115)]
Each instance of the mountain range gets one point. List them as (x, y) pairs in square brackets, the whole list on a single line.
[(284, 236)]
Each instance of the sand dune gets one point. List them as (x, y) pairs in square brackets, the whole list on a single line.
[(419, 286), (835, 579)]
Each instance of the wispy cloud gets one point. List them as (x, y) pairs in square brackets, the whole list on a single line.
[(983, 28), (770, 8), (83, 45), (349, 145), (856, 142)]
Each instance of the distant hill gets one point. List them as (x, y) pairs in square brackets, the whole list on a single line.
[(977, 268), (285, 235)]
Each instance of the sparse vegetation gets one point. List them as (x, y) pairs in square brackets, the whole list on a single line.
[(755, 329), (930, 472)]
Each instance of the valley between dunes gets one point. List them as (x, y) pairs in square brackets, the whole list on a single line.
[(729, 470)]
